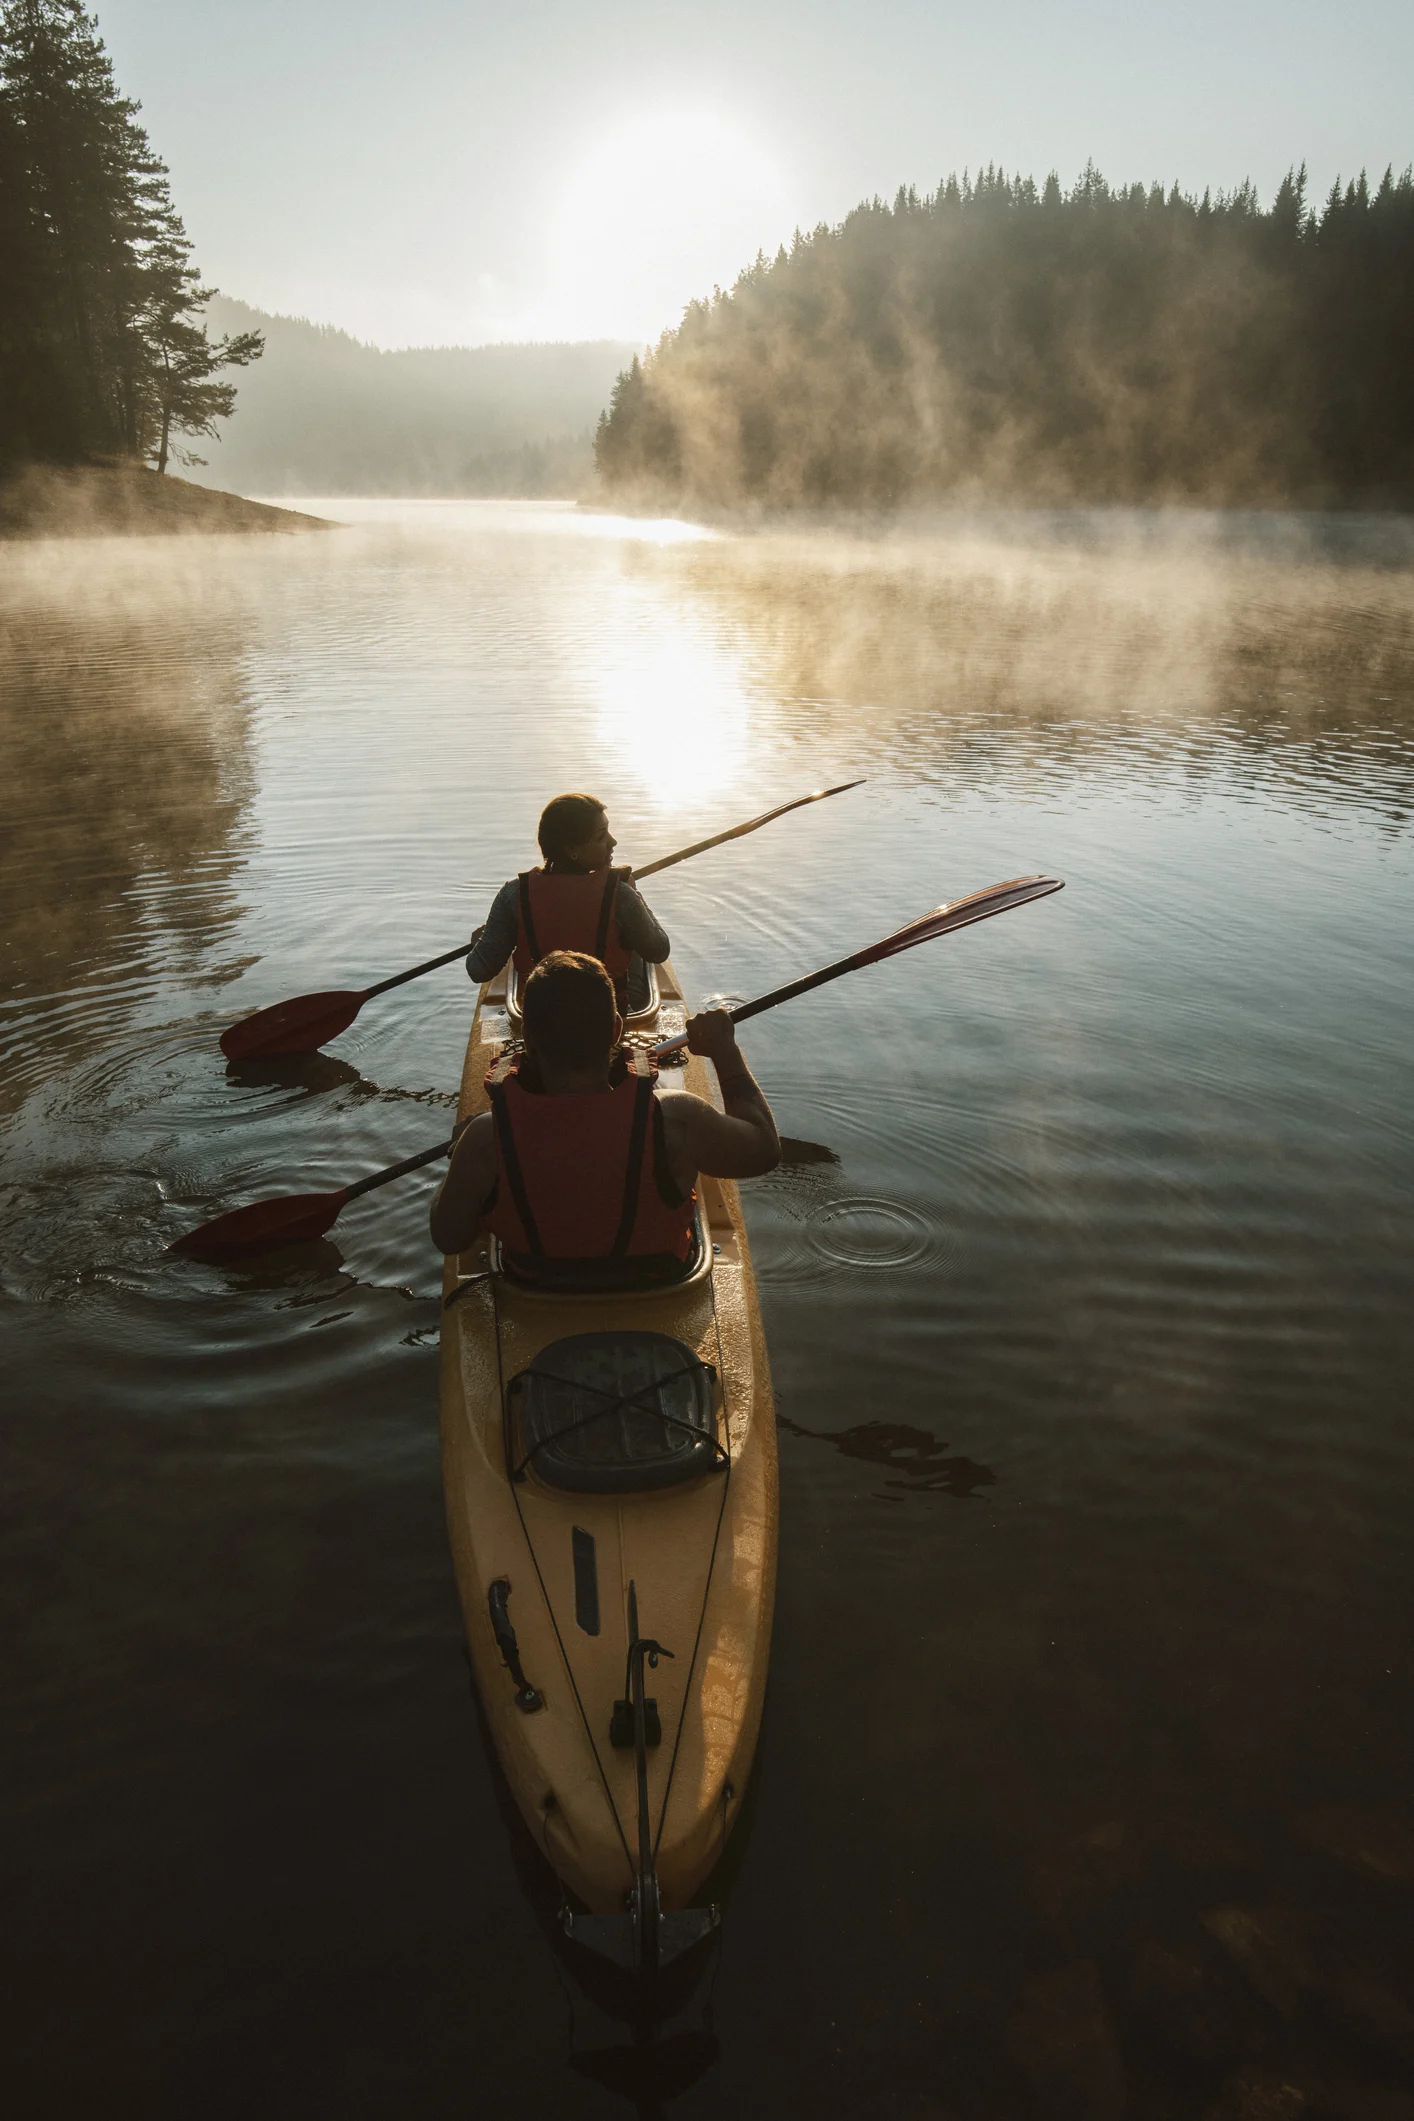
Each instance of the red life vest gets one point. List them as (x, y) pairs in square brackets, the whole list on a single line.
[(584, 1176), (555, 912)]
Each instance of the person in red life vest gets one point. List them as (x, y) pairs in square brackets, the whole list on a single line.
[(577, 901), (580, 1162)]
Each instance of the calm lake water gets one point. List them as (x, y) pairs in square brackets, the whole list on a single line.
[(1086, 1772)]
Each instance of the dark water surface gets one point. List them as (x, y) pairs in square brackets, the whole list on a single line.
[(1086, 1775)]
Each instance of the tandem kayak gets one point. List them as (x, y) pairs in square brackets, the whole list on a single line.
[(609, 1460)]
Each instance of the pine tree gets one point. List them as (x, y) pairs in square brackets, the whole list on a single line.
[(183, 394), (110, 304)]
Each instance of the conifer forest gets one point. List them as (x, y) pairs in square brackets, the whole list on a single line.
[(1006, 341), (103, 351)]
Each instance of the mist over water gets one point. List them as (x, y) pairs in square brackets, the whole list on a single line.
[(1086, 1284)]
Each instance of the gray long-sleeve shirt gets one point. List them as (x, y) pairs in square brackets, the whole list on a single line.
[(493, 943)]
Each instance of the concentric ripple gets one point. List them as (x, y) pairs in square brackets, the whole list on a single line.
[(869, 1232)]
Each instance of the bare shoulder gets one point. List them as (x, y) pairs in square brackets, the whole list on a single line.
[(475, 1141), (683, 1113), (682, 1110), (476, 1146)]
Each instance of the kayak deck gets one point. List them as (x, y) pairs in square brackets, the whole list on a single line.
[(701, 1555)]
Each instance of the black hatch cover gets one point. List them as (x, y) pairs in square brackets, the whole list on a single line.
[(613, 1414)]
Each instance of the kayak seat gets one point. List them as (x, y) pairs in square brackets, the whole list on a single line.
[(613, 1414), (642, 1273), (644, 994)]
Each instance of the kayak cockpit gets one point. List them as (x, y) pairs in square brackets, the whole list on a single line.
[(634, 1275), (644, 993)]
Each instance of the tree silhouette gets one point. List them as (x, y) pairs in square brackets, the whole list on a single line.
[(1002, 340), (181, 391), (100, 340)]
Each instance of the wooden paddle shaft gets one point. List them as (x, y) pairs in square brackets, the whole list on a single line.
[(400, 979), (737, 832), (778, 995), (944, 920), (797, 986), (409, 1163)]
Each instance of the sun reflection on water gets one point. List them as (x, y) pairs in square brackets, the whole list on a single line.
[(639, 530), (674, 708)]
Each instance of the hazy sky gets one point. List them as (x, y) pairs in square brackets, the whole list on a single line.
[(450, 171)]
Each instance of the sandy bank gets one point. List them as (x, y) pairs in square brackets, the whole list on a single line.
[(127, 500)]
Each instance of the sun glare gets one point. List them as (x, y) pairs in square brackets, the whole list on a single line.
[(664, 673), (659, 210)]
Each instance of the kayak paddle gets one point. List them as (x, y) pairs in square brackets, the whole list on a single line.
[(288, 1219), (739, 832), (311, 1020), (941, 921), (294, 1218)]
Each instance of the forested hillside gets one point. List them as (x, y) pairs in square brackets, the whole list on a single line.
[(103, 349), (324, 414), (1000, 340), (110, 347)]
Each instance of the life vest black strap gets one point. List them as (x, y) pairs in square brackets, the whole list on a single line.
[(637, 1143), (606, 913), (510, 1164), (668, 1192), (527, 920)]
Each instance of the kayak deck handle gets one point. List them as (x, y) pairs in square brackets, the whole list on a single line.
[(528, 1699)]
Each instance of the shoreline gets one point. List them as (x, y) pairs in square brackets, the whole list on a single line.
[(39, 501), (1383, 535)]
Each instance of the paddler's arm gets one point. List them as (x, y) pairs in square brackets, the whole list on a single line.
[(460, 1201), (636, 928), (494, 941), (741, 1142)]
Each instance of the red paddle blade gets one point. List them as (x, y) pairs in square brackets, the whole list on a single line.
[(980, 906), (298, 1026), (293, 1219)]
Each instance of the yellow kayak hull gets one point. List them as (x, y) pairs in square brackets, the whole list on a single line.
[(701, 1556)]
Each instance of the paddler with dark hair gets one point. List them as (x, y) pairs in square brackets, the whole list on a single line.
[(576, 901), (579, 1162)]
